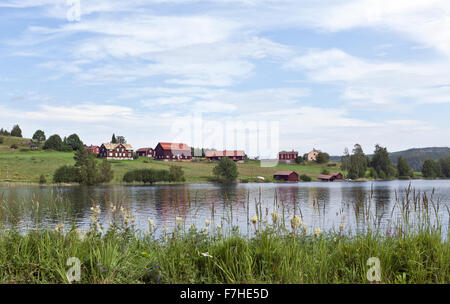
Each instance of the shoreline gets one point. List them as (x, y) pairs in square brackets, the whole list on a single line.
[(26, 183)]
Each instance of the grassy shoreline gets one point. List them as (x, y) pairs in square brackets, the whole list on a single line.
[(121, 256)]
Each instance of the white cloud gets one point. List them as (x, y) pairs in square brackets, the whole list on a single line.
[(370, 83)]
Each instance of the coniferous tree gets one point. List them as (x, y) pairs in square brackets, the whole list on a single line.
[(403, 167), (113, 139), (16, 131)]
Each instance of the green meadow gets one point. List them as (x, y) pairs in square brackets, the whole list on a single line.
[(24, 165)]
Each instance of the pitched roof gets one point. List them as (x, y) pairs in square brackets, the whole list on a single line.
[(174, 146), (325, 176), (224, 153), (284, 172), (111, 146), (288, 152), (144, 149)]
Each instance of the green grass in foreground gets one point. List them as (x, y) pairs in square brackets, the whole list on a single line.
[(120, 256)]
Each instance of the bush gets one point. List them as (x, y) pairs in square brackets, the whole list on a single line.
[(299, 160), (325, 171), (305, 178), (332, 165), (42, 179), (1, 139), (66, 148), (106, 174), (226, 171), (13, 146), (147, 176), (176, 174), (67, 174)]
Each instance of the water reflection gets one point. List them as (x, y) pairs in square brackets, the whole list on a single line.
[(323, 205)]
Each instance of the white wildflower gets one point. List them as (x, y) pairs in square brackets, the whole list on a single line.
[(317, 232), (275, 217), (296, 222)]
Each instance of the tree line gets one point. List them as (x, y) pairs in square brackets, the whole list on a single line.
[(379, 166), (436, 169)]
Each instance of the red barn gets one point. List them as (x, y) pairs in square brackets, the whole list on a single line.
[(116, 151), (287, 156), (145, 152), (330, 177), (286, 175), (92, 149), (235, 155), (172, 151)]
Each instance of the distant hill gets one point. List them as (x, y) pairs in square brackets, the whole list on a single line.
[(415, 156)]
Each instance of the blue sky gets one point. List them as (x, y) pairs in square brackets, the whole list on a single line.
[(323, 74)]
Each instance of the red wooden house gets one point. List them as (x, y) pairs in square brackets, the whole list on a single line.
[(287, 156), (116, 151), (286, 175), (92, 149), (172, 151), (235, 155), (145, 152)]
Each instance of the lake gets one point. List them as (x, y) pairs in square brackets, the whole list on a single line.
[(357, 205)]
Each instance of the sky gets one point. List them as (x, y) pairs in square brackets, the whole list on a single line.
[(257, 75)]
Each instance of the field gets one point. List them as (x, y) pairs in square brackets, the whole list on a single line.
[(22, 165)]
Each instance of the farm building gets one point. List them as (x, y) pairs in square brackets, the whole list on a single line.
[(172, 151), (92, 149), (286, 175), (330, 177), (287, 157), (312, 156), (145, 152), (116, 151), (235, 155)]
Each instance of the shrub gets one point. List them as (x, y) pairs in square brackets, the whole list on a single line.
[(66, 148), (1, 140), (106, 174), (67, 174), (176, 174), (226, 171), (325, 171), (42, 179), (305, 178), (147, 176), (299, 160), (13, 146)]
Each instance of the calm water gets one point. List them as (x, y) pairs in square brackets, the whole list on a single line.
[(324, 205)]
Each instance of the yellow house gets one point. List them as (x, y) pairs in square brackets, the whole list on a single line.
[(312, 156)]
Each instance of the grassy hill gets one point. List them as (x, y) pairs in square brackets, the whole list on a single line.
[(8, 141), (26, 166), (415, 156)]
